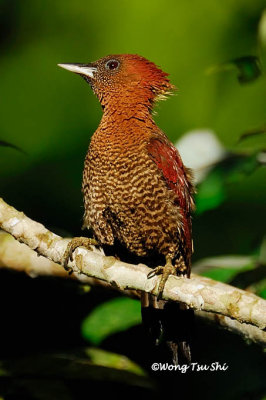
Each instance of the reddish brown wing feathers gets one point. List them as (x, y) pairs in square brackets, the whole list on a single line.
[(170, 164), (178, 179)]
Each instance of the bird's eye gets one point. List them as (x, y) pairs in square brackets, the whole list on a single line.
[(112, 64)]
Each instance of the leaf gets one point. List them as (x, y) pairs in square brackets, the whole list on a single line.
[(262, 252), (241, 167), (262, 293), (224, 261), (221, 274), (113, 316), (224, 268), (248, 68), (112, 360), (259, 288), (252, 140), (79, 366), (255, 132), (213, 190), (3, 143)]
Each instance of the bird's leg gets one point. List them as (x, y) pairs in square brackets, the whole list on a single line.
[(73, 244), (165, 271)]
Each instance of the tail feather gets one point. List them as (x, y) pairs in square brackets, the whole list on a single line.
[(169, 326)]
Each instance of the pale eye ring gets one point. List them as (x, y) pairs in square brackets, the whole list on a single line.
[(112, 65)]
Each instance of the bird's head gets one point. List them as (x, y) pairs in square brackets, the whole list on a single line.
[(128, 77)]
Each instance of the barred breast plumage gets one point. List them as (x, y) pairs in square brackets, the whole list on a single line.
[(124, 193)]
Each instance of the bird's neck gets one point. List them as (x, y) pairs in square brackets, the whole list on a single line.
[(121, 110), (120, 125), (129, 103)]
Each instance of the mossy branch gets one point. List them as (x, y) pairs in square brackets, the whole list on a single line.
[(200, 293)]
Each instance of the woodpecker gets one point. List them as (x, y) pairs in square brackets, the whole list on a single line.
[(138, 195)]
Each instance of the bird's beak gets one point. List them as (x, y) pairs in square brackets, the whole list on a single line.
[(82, 69)]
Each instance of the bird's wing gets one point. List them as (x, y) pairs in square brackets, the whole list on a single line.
[(179, 180)]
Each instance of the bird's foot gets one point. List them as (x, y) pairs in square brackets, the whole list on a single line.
[(165, 271), (73, 244)]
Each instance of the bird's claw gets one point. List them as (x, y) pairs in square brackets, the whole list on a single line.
[(155, 271), (165, 271), (71, 247)]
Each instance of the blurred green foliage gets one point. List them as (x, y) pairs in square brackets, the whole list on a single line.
[(113, 316), (215, 53), (232, 170)]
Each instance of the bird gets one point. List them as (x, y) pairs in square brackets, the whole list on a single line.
[(138, 195)]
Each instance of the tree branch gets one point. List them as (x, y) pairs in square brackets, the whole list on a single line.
[(198, 292), (19, 257), (247, 331)]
